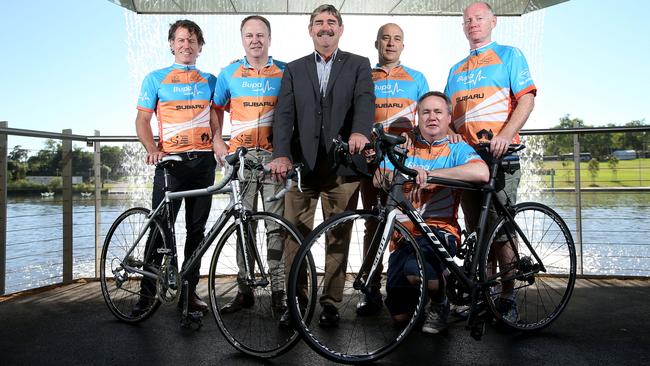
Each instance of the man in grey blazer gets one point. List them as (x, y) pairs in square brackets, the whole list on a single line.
[(325, 95)]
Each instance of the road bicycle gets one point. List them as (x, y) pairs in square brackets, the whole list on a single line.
[(129, 255), (539, 279)]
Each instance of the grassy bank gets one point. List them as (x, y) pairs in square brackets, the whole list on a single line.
[(628, 173)]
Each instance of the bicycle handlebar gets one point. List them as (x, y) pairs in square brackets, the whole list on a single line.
[(387, 144), (295, 172), (238, 158)]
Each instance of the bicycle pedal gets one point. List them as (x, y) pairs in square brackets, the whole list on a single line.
[(194, 317), (261, 283)]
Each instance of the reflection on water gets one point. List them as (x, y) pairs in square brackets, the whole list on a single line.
[(615, 230), (35, 236), (615, 233)]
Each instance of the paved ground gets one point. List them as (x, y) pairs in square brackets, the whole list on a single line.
[(606, 323)]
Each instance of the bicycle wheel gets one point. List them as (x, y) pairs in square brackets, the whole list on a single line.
[(530, 285), (356, 338), (121, 287), (254, 330)]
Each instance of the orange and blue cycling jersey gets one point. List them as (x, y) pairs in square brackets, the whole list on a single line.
[(396, 96), (250, 98), (439, 205), (180, 96), (484, 89)]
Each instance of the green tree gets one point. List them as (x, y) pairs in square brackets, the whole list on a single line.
[(568, 170), (634, 140), (46, 161), (561, 143), (112, 157), (17, 164), (18, 154), (598, 144), (593, 167), (82, 162), (612, 162)]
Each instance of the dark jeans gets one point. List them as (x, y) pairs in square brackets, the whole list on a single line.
[(188, 174)]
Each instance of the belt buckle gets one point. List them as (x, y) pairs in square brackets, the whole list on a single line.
[(191, 155)]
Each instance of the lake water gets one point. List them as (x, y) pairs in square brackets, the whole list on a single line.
[(615, 234)]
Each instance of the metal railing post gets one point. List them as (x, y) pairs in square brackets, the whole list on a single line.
[(97, 165), (576, 163), (3, 208), (66, 176)]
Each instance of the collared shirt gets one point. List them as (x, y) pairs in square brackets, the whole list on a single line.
[(397, 93), (180, 96), (250, 97), (484, 89), (323, 68)]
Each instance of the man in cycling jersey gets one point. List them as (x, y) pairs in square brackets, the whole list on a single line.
[(492, 94), (397, 90), (248, 88), (180, 97), (432, 155)]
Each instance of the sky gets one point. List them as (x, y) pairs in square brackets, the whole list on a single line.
[(78, 64)]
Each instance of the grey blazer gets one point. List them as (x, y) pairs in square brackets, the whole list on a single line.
[(302, 115)]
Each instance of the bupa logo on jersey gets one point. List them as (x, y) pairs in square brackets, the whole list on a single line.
[(258, 87), (192, 90), (471, 78), (388, 89)]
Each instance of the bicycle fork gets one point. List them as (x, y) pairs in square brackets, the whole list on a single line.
[(247, 244), (377, 248)]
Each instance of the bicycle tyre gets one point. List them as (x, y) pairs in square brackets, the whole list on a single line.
[(255, 330), (356, 339), (540, 297), (121, 289)]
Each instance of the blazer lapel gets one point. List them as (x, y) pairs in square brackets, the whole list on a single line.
[(310, 65), (336, 70)]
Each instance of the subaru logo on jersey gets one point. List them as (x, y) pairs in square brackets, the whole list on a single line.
[(260, 87), (388, 89), (190, 106)]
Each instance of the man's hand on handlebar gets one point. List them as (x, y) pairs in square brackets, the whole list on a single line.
[(154, 157), (279, 168), (357, 142), (220, 150), (499, 146)]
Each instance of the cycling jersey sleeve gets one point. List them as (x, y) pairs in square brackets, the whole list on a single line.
[(423, 86), (221, 98), (521, 81), (465, 154), (148, 98)]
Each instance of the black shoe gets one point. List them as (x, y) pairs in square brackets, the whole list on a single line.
[(370, 304), (194, 303), (142, 306), (329, 316), (240, 301)]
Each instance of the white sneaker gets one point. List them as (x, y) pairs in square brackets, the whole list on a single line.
[(436, 321)]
